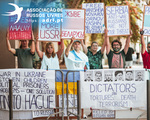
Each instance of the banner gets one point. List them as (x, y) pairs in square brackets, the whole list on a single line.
[(94, 17), (49, 26), (113, 89), (73, 23), (32, 89), (146, 24), (22, 29), (118, 20)]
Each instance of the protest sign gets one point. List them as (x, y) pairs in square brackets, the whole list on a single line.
[(73, 24), (49, 27), (22, 29), (42, 113), (99, 114), (94, 17), (32, 89), (118, 20), (146, 19), (113, 89)]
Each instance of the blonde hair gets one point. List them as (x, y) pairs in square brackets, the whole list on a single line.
[(53, 53)]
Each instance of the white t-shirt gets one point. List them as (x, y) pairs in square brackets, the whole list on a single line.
[(51, 63)]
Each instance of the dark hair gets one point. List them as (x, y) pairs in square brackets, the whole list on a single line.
[(116, 41), (93, 43), (53, 53), (117, 72), (129, 71), (148, 43), (98, 73)]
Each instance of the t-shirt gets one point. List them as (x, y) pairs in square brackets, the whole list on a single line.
[(129, 54), (25, 58), (116, 60), (95, 61), (146, 59), (50, 63)]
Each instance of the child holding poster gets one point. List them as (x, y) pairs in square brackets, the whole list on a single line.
[(50, 58), (24, 53)]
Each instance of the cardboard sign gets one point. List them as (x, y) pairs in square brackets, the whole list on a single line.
[(22, 29), (118, 20), (49, 27), (102, 114), (33, 89), (73, 24), (146, 21), (94, 17), (116, 89)]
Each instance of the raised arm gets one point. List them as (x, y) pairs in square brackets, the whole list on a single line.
[(69, 47), (40, 53), (60, 51), (107, 44), (142, 42), (12, 50), (32, 45), (127, 44), (84, 47)]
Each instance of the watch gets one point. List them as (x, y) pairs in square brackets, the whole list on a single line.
[(142, 32)]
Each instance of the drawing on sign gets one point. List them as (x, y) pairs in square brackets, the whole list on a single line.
[(98, 76), (117, 18), (94, 17), (129, 75), (73, 23), (139, 75), (146, 25), (119, 76), (88, 76), (49, 27), (108, 76), (22, 29)]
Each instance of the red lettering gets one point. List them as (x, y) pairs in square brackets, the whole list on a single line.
[(72, 13)]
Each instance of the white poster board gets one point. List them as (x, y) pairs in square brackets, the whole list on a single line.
[(94, 17), (118, 20), (32, 89), (73, 24), (146, 24), (113, 89), (49, 26)]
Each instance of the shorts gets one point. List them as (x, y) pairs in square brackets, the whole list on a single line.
[(129, 63)]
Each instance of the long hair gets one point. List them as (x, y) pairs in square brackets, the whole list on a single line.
[(53, 53)]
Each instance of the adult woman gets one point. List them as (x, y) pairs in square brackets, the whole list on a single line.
[(50, 58)]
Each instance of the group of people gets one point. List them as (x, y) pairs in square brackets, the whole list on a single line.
[(76, 59)]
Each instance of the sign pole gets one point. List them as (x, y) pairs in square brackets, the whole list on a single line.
[(10, 100)]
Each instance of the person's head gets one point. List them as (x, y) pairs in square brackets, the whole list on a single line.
[(94, 46), (98, 75), (108, 76), (116, 45), (50, 51), (118, 75), (129, 75), (139, 75), (77, 45), (24, 43), (148, 47), (88, 75)]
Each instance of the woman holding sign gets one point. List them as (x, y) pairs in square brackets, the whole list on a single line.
[(50, 58)]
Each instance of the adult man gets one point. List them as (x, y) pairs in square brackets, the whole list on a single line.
[(88, 76), (129, 75), (145, 54), (108, 76), (75, 59), (119, 76), (98, 76), (139, 76), (24, 53), (116, 58), (129, 59)]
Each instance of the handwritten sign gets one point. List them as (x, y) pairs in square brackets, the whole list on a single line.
[(49, 27), (117, 18), (113, 89), (73, 23), (97, 114), (32, 89), (94, 17), (20, 30), (146, 25)]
